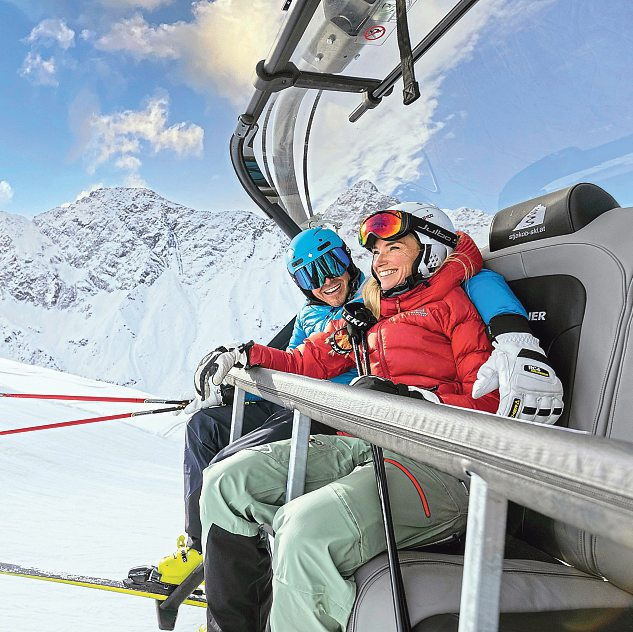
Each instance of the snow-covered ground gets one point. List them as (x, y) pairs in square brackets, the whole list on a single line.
[(93, 499)]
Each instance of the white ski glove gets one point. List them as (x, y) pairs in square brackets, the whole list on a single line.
[(528, 386), (214, 367)]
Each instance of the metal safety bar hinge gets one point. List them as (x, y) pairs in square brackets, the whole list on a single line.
[(244, 126)]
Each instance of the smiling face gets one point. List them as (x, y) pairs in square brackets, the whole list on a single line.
[(334, 291), (393, 260)]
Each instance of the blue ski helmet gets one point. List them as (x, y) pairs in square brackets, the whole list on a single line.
[(315, 255)]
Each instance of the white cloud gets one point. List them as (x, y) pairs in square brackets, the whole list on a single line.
[(216, 49), (124, 135), (134, 4), (135, 36), (135, 180), (52, 31), (41, 72), (128, 163), (6, 192)]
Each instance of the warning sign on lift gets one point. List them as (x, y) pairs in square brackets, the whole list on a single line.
[(375, 32), (382, 22)]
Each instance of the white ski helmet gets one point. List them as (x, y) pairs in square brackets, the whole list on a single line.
[(426, 222)]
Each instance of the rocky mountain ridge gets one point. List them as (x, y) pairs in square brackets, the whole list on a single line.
[(128, 287)]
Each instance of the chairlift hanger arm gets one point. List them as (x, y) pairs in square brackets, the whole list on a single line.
[(373, 98), (294, 26), (291, 76), (272, 209)]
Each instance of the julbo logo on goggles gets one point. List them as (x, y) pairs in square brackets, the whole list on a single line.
[(331, 264), (393, 224)]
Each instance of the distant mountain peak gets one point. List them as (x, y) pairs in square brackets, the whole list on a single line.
[(126, 286)]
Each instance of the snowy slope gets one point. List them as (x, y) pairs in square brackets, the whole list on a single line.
[(127, 287), (94, 499)]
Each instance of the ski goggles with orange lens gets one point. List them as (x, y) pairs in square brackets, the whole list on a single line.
[(390, 225)]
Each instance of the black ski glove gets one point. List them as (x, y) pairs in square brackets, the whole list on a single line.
[(382, 385)]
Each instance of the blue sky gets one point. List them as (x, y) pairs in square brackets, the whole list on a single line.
[(116, 93), (521, 98)]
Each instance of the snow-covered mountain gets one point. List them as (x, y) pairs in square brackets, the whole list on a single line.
[(128, 287)]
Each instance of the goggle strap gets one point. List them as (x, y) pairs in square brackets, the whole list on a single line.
[(434, 231)]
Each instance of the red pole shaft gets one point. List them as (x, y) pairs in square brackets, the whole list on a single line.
[(93, 398), (91, 420)]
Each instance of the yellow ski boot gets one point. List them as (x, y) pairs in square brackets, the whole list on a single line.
[(174, 568)]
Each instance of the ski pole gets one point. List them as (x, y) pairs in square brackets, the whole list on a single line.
[(93, 398), (358, 322), (90, 420)]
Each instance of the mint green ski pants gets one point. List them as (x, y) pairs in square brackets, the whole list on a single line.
[(322, 537)]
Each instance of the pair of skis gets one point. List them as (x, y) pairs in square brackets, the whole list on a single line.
[(168, 598)]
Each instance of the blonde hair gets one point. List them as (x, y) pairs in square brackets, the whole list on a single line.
[(372, 291), (371, 296)]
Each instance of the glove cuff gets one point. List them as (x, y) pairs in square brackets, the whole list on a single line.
[(507, 323), (244, 360), (519, 339)]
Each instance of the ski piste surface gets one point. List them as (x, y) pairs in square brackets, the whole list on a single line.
[(97, 583)]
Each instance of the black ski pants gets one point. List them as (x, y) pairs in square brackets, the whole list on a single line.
[(207, 433)]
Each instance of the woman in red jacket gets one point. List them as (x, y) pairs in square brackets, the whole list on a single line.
[(428, 336)]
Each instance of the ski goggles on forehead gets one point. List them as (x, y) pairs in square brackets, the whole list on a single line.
[(393, 224), (313, 275)]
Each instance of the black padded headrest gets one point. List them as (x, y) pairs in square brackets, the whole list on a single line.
[(558, 213)]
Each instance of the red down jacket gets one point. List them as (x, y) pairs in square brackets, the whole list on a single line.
[(431, 337)]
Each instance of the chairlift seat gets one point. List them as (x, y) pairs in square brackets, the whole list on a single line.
[(567, 256)]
